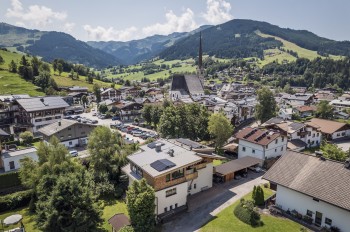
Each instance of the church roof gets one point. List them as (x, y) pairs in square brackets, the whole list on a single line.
[(189, 83)]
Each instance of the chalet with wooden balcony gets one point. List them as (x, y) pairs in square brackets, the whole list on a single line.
[(34, 113), (174, 169)]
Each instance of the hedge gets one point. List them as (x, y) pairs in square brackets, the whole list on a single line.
[(245, 212), (9, 180), (15, 200)]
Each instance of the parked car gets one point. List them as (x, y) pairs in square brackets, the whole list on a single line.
[(255, 169), (94, 114), (114, 118), (94, 121), (73, 153)]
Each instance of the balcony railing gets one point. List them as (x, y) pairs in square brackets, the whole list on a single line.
[(191, 176)]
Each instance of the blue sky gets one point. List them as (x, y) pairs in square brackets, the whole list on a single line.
[(133, 19)]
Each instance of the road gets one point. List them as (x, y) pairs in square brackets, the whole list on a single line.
[(204, 206)]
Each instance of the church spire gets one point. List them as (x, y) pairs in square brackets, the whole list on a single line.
[(200, 55)]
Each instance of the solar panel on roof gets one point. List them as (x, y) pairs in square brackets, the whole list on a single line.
[(162, 164)]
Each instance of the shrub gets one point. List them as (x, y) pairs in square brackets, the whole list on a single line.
[(307, 219), (266, 185), (27, 137), (126, 229), (246, 212), (9, 180), (15, 200)]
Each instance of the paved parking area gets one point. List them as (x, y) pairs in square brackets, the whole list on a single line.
[(108, 122), (344, 144), (205, 205)]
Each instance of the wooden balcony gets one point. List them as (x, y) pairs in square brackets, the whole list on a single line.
[(191, 176), (200, 166)]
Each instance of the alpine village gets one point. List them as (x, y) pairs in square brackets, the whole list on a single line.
[(240, 125)]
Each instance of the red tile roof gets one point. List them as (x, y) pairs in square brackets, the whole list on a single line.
[(257, 136), (306, 108)]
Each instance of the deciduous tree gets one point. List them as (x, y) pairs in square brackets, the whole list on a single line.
[(324, 110), (220, 129), (266, 107)]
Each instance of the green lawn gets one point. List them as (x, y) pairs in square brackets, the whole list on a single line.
[(186, 66), (226, 221), (109, 210), (217, 162), (28, 220), (281, 55), (12, 83)]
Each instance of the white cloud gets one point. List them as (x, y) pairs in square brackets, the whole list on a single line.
[(183, 23), (173, 23), (68, 27), (37, 15), (100, 33), (20, 24), (218, 11)]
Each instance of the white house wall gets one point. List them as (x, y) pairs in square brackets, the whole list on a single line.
[(262, 152), (180, 198), (204, 180), (17, 160), (290, 199)]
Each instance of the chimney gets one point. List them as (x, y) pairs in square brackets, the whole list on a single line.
[(158, 147), (171, 152)]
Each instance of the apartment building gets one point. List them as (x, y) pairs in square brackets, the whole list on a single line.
[(173, 169)]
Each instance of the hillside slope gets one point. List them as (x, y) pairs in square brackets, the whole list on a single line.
[(237, 39), (52, 45), (134, 51)]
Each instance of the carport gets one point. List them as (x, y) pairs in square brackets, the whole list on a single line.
[(227, 170)]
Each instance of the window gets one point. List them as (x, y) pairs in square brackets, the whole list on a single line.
[(83, 132), (69, 135), (309, 213), (243, 148), (253, 151), (171, 207), (328, 221), (69, 128), (343, 133), (177, 174), (281, 148), (276, 141), (313, 135), (195, 186), (166, 209), (275, 149), (70, 143), (176, 205), (282, 139), (170, 192), (167, 178), (318, 134), (315, 199)]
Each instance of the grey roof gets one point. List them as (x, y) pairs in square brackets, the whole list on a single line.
[(3, 133), (274, 120), (236, 165), (43, 103), (147, 155), (8, 154), (77, 88), (189, 143), (55, 127), (325, 180), (188, 83), (296, 144)]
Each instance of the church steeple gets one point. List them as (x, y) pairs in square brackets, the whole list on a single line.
[(200, 52)]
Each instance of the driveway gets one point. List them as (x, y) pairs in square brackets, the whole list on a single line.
[(204, 206)]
